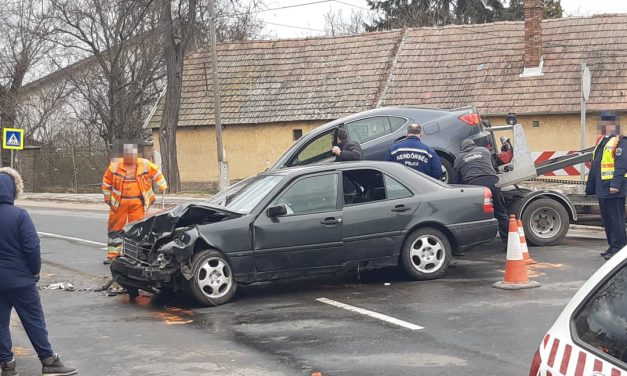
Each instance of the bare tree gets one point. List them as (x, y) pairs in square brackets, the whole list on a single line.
[(179, 21), (336, 24), (23, 45), (123, 45)]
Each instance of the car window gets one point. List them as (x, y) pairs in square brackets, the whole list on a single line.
[(316, 150), (396, 123), (310, 195), (368, 129), (363, 186), (602, 321), (396, 190)]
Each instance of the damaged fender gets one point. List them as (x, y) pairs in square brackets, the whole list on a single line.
[(180, 249)]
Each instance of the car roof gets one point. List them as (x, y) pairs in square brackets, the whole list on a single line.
[(334, 166), (407, 111)]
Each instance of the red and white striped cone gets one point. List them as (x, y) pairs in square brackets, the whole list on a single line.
[(523, 245), (515, 273)]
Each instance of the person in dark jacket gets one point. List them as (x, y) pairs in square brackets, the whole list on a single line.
[(345, 149), (474, 166), (607, 180), (412, 152), (20, 263)]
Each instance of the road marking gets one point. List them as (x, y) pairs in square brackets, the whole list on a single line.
[(78, 240), (375, 315)]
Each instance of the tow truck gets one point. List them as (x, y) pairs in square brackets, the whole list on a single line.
[(546, 213)]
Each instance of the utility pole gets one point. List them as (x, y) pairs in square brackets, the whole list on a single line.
[(585, 94), (223, 166)]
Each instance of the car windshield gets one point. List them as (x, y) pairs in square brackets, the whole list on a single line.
[(245, 198)]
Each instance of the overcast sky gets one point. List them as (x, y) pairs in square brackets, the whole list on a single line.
[(308, 20)]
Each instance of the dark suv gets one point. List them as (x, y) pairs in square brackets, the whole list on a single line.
[(376, 130)]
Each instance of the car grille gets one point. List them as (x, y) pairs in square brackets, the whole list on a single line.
[(134, 250)]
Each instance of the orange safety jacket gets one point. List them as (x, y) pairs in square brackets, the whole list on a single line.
[(146, 173)]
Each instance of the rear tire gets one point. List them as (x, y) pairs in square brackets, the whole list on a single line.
[(212, 283), (426, 254), (447, 170), (546, 222)]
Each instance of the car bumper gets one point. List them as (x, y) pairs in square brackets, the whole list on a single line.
[(130, 272), (471, 234)]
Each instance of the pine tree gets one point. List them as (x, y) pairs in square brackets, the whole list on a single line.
[(396, 14)]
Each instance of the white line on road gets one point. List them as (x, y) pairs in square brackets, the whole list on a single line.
[(375, 315), (78, 240)]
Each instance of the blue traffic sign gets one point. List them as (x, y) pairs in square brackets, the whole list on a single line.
[(13, 138)]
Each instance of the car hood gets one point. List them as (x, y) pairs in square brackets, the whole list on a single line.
[(156, 226)]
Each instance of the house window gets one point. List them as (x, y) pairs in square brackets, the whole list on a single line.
[(297, 133), (536, 123)]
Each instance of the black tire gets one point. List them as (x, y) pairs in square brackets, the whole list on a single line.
[(133, 292), (447, 170), (420, 259), (546, 222), (212, 283)]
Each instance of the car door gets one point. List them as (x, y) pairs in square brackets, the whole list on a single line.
[(375, 215), (309, 235), (376, 134)]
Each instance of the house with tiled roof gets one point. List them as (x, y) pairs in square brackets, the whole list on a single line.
[(274, 91)]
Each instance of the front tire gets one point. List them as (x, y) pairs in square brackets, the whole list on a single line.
[(426, 254), (546, 222), (212, 283)]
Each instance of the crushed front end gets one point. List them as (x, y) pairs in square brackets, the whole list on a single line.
[(157, 250)]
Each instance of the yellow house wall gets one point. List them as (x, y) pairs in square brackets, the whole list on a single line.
[(249, 149), (253, 148), (557, 132)]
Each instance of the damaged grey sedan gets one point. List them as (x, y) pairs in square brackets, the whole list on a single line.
[(305, 221)]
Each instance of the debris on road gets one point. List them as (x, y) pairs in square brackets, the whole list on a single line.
[(65, 286)]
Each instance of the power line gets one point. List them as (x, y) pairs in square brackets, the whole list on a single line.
[(292, 26), (351, 5)]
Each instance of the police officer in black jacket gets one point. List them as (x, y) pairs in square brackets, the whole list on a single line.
[(474, 166), (607, 180), (345, 149)]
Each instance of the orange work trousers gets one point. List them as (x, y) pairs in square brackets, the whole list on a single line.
[(130, 210)]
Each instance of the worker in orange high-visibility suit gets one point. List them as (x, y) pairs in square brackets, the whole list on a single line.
[(127, 189)]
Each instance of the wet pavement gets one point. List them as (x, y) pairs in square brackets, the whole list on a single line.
[(469, 328)]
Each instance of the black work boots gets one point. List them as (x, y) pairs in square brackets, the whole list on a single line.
[(49, 367), (8, 368), (53, 367)]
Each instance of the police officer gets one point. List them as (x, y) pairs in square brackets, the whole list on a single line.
[(412, 152), (474, 166), (607, 181)]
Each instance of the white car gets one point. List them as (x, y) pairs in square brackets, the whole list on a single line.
[(590, 336)]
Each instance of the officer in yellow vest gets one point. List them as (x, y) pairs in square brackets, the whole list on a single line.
[(608, 181)]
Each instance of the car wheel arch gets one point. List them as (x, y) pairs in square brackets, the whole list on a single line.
[(203, 244), (438, 226)]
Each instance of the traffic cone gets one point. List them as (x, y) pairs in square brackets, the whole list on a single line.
[(515, 273), (523, 244)]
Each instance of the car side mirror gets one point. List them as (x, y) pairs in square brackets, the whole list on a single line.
[(276, 211)]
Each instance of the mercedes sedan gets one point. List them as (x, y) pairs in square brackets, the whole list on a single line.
[(306, 221)]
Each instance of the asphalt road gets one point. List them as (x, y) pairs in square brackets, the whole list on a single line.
[(468, 327)]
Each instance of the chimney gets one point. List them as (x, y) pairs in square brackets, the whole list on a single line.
[(533, 38)]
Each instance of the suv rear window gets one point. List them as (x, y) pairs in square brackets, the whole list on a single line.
[(601, 323)]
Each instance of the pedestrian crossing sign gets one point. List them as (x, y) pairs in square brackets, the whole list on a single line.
[(13, 139)]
